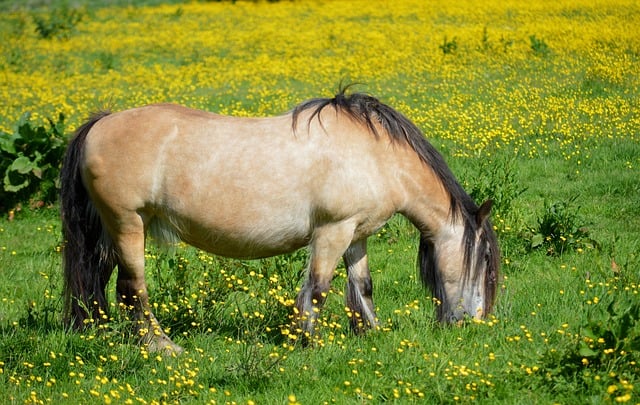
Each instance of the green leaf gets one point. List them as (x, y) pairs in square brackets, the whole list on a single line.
[(587, 332), (586, 351), (7, 144), (14, 188), (537, 240), (22, 165)]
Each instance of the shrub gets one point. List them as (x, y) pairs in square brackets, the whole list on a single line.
[(449, 47), (58, 23), (560, 229), (538, 46), (497, 180), (612, 333), (609, 340), (30, 161)]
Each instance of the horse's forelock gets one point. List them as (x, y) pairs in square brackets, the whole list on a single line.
[(490, 241), (485, 250)]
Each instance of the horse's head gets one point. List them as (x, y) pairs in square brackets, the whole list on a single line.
[(460, 264)]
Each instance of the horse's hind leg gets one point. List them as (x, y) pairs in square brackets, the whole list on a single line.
[(359, 288), (131, 287)]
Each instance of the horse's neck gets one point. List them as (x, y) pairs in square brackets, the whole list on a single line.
[(427, 203)]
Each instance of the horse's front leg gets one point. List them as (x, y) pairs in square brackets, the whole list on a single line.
[(328, 243), (359, 288), (131, 290)]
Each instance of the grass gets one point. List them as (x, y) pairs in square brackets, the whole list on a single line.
[(536, 103)]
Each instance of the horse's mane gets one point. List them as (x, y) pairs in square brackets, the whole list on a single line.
[(374, 114)]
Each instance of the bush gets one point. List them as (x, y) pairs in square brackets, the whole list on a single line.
[(608, 342), (538, 46), (496, 180), (30, 160), (59, 23), (449, 47), (559, 229)]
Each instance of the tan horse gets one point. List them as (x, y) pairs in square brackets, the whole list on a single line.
[(327, 175)]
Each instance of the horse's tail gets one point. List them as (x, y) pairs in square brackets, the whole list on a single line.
[(88, 255)]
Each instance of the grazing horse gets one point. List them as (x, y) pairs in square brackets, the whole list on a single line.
[(326, 175)]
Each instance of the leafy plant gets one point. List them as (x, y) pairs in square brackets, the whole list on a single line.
[(30, 161), (497, 180), (609, 340), (484, 41), (614, 332), (506, 43), (538, 46), (59, 23), (449, 46), (107, 60), (560, 229)]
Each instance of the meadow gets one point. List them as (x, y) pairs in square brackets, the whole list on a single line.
[(533, 104)]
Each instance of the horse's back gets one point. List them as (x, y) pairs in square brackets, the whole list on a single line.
[(226, 183)]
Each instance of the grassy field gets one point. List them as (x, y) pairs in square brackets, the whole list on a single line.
[(535, 104)]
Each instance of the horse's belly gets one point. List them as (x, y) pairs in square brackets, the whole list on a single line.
[(246, 236)]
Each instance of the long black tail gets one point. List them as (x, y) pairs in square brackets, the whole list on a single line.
[(88, 255)]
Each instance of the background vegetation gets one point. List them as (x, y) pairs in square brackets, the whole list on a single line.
[(533, 104)]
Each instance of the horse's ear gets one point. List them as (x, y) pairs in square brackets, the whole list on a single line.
[(483, 212)]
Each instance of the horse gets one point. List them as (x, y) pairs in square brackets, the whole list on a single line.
[(327, 175)]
